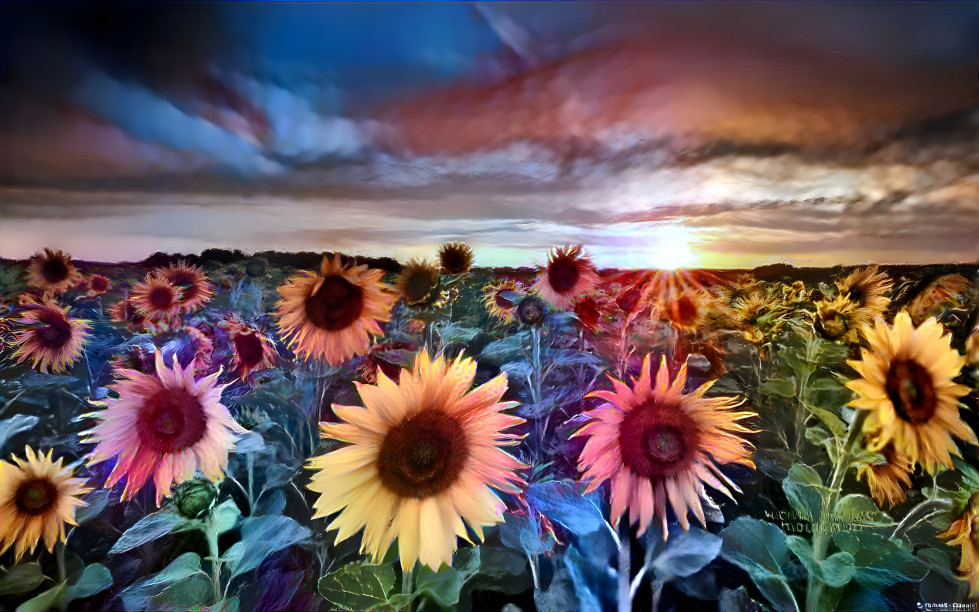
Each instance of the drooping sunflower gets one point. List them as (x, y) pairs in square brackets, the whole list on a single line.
[(48, 337), (167, 425), (195, 288), (455, 257), (906, 382), (333, 314), (657, 444), (840, 318), (964, 532), (252, 349), (867, 288), (123, 311), (568, 274), (686, 310), (948, 290), (417, 281), (37, 497), (500, 299), (52, 271), (422, 457), (889, 479), (156, 298)]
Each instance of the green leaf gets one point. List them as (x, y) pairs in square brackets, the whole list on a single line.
[(760, 549), (165, 586), (778, 386), (835, 423), (95, 578), (686, 554), (225, 516), (265, 535), (442, 587), (97, 502), (227, 605), (880, 561), (804, 489), (22, 578), (359, 587), (775, 462), (861, 509), (152, 527), (491, 568), (939, 561), (834, 571), (45, 601)]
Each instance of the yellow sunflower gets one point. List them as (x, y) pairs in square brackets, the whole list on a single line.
[(37, 497), (332, 314), (417, 281), (422, 456), (500, 299), (949, 290), (907, 385), (48, 337), (964, 532), (52, 271), (658, 444), (867, 288), (889, 479), (840, 318)]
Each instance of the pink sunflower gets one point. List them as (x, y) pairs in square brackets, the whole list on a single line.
[(253, 351), (167, 425), (568, 274)]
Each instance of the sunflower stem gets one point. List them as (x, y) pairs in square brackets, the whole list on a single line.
[(59, 553), (406, 584), (906, 524), (210, 531), (625, 571), (534, 571)]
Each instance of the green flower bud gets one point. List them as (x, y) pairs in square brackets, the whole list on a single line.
[(195, 498)]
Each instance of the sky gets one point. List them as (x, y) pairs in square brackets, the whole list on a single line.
[(666, 134)]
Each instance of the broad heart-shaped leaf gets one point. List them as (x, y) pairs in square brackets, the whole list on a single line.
[(22, 578), (45, 601), (224, 516), (97, 502), (14, 425), (835, 570), (152, 527), (804, 489), (152, 591), (560, 594), (778, 386), (491, 568), (856, 508), (561, 502), (359, 587), (520, 532), (835, 423), (686, 554), (574, 357), (760, 549), (265, 535), (880, 562), (507, 349), (441, 587), (95, 578)]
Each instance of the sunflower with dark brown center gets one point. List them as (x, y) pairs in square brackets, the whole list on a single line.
[(252, 349), (500, 299), (658, 444), (455, 257), (907, 384), (37, 497), (97, 285), (422, 456), (156, 298), (333, 314), (867, 288), (890, 478), (48, 337), (195, 288), (418, 282), (52, 271), (568, 274)]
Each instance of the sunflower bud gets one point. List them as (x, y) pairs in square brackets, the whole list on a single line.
[(195, 498)]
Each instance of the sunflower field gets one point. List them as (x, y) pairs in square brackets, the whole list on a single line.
[(325, 432)]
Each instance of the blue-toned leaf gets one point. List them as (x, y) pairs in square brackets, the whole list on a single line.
[(39, 380), (559, 595), (507, 349), (686, 553), (250, 442), (141, 595), (95, 578), (227, 605), (277, 475), (224, 516), (152, 527), (760, 549), (588, 600), (739, 600), (775, 462), (835, 571), (97, 502), (880, 562), (14, 425), (804, 489), (574, 357), (265, 535), (271, 503), (561, 502)]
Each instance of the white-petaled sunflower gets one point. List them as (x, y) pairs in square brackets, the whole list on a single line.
[(657, 444), (37, 497), (333, 314), (422, 457), (907, 384)]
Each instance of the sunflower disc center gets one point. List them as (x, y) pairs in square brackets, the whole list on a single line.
[(54, 270), (655, 439), (563, 275), (665, 444), (423, 456), (55, 333), (336, 305), (161, 297), (249, 348), (911, 391), (173, 420), (35, 496)]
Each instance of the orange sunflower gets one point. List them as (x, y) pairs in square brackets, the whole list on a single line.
[(37, 497), (906, 382), (422, 460), (252, 350), (964, 532), (195, 288), (500, 299), (417, 282), (156, 298), (867, 288), (47, 336), (948, 290), (332, 314), (52, 271), (889, 479), (167, 425), (568, 274), (656, 443)]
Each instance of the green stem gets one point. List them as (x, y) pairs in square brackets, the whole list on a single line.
[(214, 556), (250, 459), (821, 532), (407, 588)]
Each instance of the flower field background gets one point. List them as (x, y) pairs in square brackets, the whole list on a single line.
[(317, 431)]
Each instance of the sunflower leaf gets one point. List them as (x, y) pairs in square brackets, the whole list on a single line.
[(14, 425), (804, 489), (22, 578), (265, 535), (95, 578), (686, 554), (778, 386), (760, 549), (561, 502), (359, 587), (152, 527), (97, 502), (860, 509), (442, 587), (45, 601), (181, 581)]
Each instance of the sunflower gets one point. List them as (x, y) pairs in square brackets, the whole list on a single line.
[(657, 444), (964, 532), (890, 478), (123, 311), (167, 425), (500, 299), (37, 497), (252, 350), (947, 291), (906, 384), (568, 274), (52, 271), (97, 285), (421, 459), (972, 348), (840, 318), (867, 288), (418, 281), (455, 257), (195, 289), (49, 337), (156, 298), (333, 314)]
